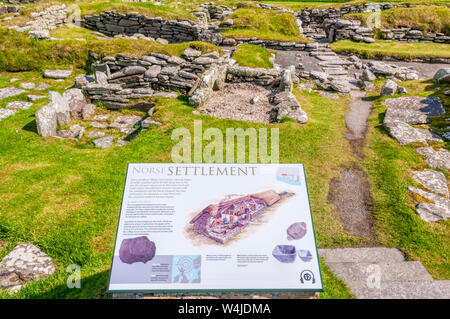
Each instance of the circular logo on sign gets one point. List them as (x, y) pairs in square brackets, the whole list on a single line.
[(307, 276)]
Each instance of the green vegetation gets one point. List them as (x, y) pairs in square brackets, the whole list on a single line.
[(253, 56), (19, 53), (65, 197), (389, 166), (432, 19), (380, 48), (264, 24)]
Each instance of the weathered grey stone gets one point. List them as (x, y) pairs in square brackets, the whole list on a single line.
[(39, 34), (442, 75), (61, 106), (413, 109), (154, 60), (389, 88), (101, 118), (104, 142), (33, 97), (433, 180), (42, 87), (10, 91), (76, 101), (152, 71), (436, 159), (28, 85), (101, 77), (286, 83), (432, 212), (46, 120), (339, 86), (191, 54), (96, 134), (368, 75), (20, 105), (406, 134), (83, 80), (27, 263), (361, 255), (204, 60), (128, 121), (149, 122), (87, 111), (4, 113), (57, 74), (132, 70), (99, 125)]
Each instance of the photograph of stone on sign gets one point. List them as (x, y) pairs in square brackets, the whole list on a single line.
[(183, 226)]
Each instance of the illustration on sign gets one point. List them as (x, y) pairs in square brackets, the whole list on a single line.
[(206, 227)]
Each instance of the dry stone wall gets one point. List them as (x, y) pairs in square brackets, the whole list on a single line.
[(122, 78), (113, 23)]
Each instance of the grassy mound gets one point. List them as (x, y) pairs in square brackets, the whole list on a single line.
[(433, 19), (21, 53), (264, 24), (253, 56), (394, 49)]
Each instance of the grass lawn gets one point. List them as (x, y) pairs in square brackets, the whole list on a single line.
[(431, 19), (253, 56), (382, 48), (264, 24), (389, 167), (65, 198)]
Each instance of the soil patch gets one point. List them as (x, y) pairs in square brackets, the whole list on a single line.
[(240, 101), (351, 196)]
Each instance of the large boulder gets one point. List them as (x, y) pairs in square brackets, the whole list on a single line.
[(413, 109), (442, 75), (286, 105), (436, 159), (46, 121), (24, 263), (406, 134)]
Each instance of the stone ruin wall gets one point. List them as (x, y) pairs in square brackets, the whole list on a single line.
[(330, 21), (113, 23), (123, 78)]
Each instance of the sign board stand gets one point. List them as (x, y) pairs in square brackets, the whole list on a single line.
[(215, 230)]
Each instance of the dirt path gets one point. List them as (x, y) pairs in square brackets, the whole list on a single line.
[(351, 192)]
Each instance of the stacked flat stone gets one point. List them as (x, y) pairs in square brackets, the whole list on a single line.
[(127, 78), (113, 23)]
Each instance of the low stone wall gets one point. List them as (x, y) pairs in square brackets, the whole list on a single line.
[(275, 45), (113, 23), (351, 29), (48, 19), (20, 1), (123, 78)]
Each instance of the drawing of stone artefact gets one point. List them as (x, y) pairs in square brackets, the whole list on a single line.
[(296, 231), (223, 221), (139, 249), (284, 253)]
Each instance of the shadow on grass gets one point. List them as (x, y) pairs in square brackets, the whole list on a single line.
[(31, 126), (92, 287)]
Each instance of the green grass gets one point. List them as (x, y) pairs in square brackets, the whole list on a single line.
[(380, 48), (65, 197), (253, 56), (389, 167), (20, 53), (431, 19), (264, 24)]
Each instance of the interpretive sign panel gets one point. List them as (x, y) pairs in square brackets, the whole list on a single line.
[(226, 227)]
